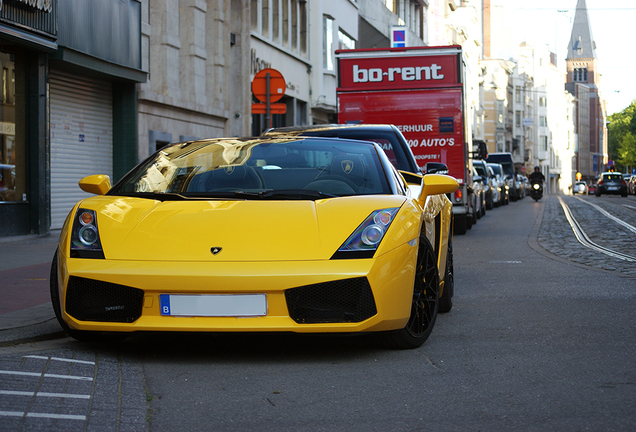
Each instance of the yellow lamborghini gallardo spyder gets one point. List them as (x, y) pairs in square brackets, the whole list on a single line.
[(310, 235)]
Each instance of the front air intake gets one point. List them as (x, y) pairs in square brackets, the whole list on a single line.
[(342, 301), (93, 300)]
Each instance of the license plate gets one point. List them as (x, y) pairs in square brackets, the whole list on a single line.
[(612, 188), (213, 305)]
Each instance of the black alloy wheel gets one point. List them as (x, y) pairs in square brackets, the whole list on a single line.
[(424, 305), (446, 300)]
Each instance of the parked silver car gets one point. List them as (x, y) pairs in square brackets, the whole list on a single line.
[(503, 185), (579, 187)]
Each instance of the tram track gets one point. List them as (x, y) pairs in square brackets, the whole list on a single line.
[(608, 215), (584, 239)]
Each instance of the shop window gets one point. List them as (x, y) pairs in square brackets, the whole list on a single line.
[(12, 133)]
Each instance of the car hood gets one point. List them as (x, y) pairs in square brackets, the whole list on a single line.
[(142, 229)]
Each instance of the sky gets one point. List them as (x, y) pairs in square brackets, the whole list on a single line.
[(549, 22)]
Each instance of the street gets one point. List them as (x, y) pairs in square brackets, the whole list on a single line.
[(540, 338)]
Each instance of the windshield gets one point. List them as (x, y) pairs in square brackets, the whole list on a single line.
[(480, 170), (307, 168), (496, 169), (613, 177)]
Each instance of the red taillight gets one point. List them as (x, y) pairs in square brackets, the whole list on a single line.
[(600, 182), (624, 182), (458, 195)]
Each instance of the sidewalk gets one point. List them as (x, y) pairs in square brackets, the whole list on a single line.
[(25, 309)]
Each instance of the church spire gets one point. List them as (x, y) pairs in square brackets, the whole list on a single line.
[(582, 43)]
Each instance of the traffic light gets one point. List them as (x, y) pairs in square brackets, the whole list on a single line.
[(578, 176)]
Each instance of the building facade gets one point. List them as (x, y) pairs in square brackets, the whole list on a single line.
[(69, 75), (583, 83)]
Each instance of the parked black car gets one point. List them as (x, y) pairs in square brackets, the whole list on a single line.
[(396, 148), (611, 183)]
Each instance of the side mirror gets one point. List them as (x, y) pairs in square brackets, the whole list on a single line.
[(435, 184), (97, 184), (477, 178), (435, 168)]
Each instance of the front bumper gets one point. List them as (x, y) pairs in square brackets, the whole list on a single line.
[(124, 296)]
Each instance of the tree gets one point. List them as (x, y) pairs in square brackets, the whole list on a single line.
[(622, 137), (627, 150)]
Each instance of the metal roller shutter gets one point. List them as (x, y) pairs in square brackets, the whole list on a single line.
[(81, 137)]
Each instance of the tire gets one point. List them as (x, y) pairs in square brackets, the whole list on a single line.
[(80, 335), (424, 305), (446, 300)]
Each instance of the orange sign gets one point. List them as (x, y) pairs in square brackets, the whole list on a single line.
[(277, 85), (275, 108)]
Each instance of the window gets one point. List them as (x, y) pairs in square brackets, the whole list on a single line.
[(543, 121), (304, 31), (265, 18), (275, 20), (344, 41), (543, 101), (543, 140), (294, 27), (579, 75), (286, 24), (517, 95), (518, 118), (500, 116), (254, 15), (327, 43)]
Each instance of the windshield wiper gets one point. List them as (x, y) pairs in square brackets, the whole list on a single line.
[(298, 194), (289, 194)]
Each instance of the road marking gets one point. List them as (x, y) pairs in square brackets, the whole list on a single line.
[(44, 394), (61, 359), (505, 262), (629, 206), (42, 415), (582, 237), (614, 218), (71, 377)]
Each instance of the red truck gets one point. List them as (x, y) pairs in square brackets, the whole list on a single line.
[(421, 91)]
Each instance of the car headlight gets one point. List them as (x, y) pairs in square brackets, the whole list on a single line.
[(367, 237), (85, 242)]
